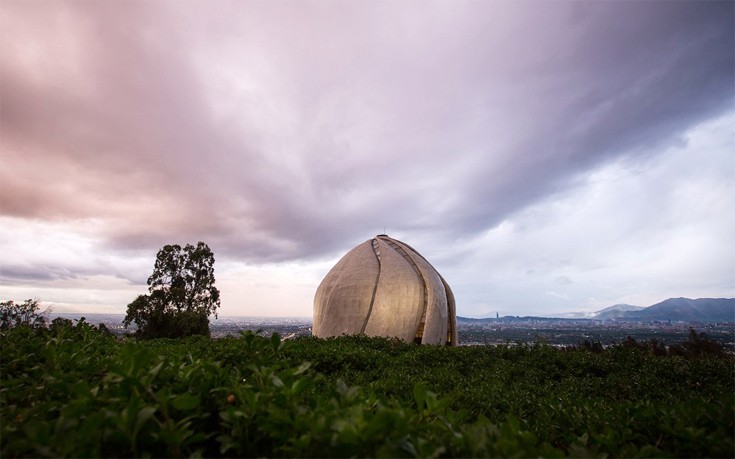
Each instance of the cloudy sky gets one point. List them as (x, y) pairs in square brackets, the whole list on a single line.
[(544, 156)]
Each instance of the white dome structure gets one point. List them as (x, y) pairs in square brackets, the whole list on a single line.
[(383, 287)]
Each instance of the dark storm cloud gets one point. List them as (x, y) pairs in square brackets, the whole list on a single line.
[(633, 77), (293, 130)]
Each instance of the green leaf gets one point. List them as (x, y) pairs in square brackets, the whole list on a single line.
[(302, 368), (155, 370), (419, 394), (276, 381), (185, 402), (144, 414), (275, 341)]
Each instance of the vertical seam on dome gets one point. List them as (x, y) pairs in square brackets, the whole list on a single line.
[(452, 336), (422, 324), (375, 286)]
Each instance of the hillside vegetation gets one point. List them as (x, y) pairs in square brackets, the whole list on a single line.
[(73, 390)]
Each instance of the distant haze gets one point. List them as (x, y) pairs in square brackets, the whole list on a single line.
[(673, 309), (686, 309), (543, 156)]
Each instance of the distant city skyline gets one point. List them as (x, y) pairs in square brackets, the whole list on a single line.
[(547, 157), (50, 312)]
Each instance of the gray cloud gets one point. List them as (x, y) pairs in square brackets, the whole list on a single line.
[(10, 273), (291, 131)]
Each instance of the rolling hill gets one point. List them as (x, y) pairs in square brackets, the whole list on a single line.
[(687, 310), (673, 309)]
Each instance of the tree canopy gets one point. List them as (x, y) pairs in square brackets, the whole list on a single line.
[(21, 314), (181, 294)]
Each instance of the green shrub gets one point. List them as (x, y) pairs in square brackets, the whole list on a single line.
[(73, 390)]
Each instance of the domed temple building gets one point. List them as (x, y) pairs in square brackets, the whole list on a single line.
[(383, 287)]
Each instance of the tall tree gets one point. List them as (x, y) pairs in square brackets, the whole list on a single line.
[(27, 314), (181, 294)]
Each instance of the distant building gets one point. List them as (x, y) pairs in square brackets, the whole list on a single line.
[(383, 287)]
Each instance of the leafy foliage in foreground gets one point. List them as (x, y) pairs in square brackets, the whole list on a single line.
[(72, 390)]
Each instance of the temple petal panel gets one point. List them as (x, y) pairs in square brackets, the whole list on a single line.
[(383, 287)]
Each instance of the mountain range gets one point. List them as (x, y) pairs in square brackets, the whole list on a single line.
[(673, 309), (687, 310)]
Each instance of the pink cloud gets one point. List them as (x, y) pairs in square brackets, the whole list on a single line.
[(280, 130)]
